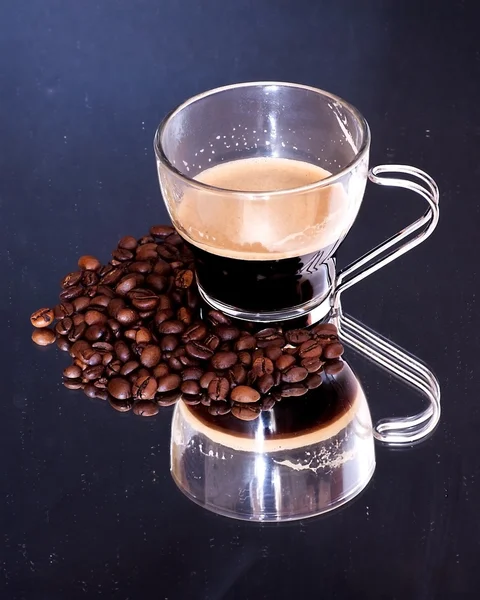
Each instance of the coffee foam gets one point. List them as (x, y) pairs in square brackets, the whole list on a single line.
[(269, 227)]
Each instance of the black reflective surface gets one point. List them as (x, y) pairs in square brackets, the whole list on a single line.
[(88, 508)]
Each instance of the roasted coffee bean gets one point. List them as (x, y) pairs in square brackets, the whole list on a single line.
[(188, 361), (167, 399), (145, 408), (193, 400), (174, 239), (294, 374), (169, 383), (146, 239), (290, 350), (114, 327), (262, 366), (105, 269), (95, 332), (127, 316), (101, 394), (122, 254), (102, 346), (78, 347), (184, 315), (73, 384), (42, 317), (297, 336), (224, 360), (143, 299), (72, 372), (175, 364), (77, 332), (171, 327), (245, 412), (206, 400), (78, 318), (161, 267), (64, 326), (103, 290), (160, 370), (218, 318), (81, 304), (89, 356), (119, 388), (268, 403), (163, 315), (184, 278), (192, 374), (150, 356), (333, 367), (101, 301), (332, 351), (128, 242), (63, 344), (206, 378), (218, 408), (141, 336), (146, 252), (71, 279), (90, 390), (169, 253), (122, 405), (245, 358), (212, 341), (156, 282), (192, 298), (197, 350), (293, 389), (190, 387), (177, 296), (92, 373), (325, 329), (269, 337), (65, 309), (113, 277), (244, 394), (140, 266), (227, 333), (313, 381), (129, 367), (245, 342), (258, 353), (89, 263), (107, 358), (71, 293), (310, 349), (168, 343), (265, 383), (95, 317), (92, 290), (218, 388), (126, 284), (89, 279), (161, 232), (145, 387), (312, 364), (273, 353), (237, 375), (114, 306), (195, 333)]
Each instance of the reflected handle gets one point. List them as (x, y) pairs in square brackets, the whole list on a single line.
[(404, 240)]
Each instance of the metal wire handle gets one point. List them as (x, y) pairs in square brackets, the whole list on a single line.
[(407, 430)]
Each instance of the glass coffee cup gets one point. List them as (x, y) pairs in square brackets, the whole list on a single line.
[(263, 181)]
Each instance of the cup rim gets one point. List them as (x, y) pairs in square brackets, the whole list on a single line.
[(162, 158)]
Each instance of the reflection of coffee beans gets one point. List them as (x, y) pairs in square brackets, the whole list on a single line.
[(137, 337)]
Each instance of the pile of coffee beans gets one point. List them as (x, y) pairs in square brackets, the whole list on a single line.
[(139, 339)]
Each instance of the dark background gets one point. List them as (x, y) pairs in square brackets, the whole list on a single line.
[(87, 505)]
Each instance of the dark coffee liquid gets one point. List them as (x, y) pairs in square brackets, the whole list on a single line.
[(292, 416), (264, 285)]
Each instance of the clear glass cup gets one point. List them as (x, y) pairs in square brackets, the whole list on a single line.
[(264, 180)]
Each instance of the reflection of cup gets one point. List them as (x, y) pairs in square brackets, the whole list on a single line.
[(264, 181), (307, 456)]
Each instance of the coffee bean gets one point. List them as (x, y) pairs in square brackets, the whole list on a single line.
[(71, 293), (313, 381), (161, 231), (157, 282), (192, 298), (78, 347), (218, 408), (312, 364), (161, 316), (269, 337), (92, 373), (325, 329), (128, 242), (113, 277), (151, 355), (90, 279), (332, 351), (284, 362), (171, 327), (192, 374), (114, 327), (262, 365), (63, 310), (297, 336), (218, 388), (114, 368), (237, 375), (145, 408), (145, 387), (273, 353), (310, 349), (167, 399), (42, 317), (127, 316), (268, 403), (73, 384), (333, 367), (95, 317), (140, 266), (95, 332), (143, 299), (63, 344), (119, 388), (160, 370), (77, 332), (195, 332), (197, 350), (218, 318), (292, 390), (143, 336), (211, 341), (206, 378), (89, 263), (71, 279), (161, 267), (224, 360), (184, 315), (122, 405), (169, 343), (129, 367), (90, 390), (175, 364), (102, 346), (122, 254), (101, 301), (107, 358), (265, 383), (64, 326), (294, 374), (184, 278), (190, 387), (177, 296), (114, 306), (78, 318), (244, 394), (245, 358), (82, 303), (227, 333), (89, 356), (126, 284), (246, 342), (72, 372), (206, 400), (258, 353), (244, 412), (169, 383), (146, 252)]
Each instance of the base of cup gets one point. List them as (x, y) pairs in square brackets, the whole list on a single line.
[(309, 313)]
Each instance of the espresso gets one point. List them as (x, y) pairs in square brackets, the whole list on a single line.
[(270, 252)]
